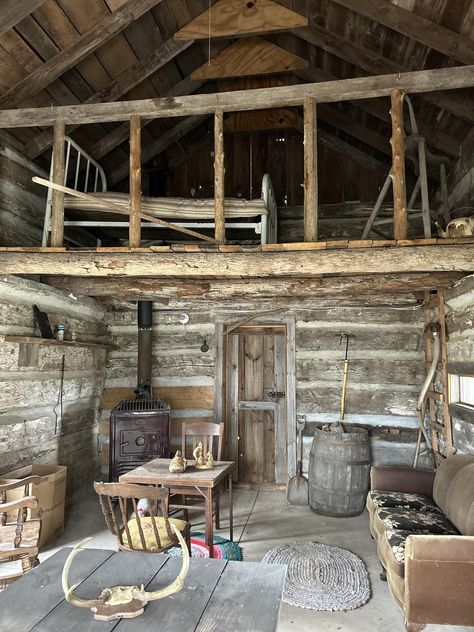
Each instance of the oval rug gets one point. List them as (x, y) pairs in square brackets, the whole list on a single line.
[(321, 577)]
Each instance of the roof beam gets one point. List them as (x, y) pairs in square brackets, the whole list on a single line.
[(270, 262), (122, 84), (13, 11), (86, 44), (258, 99), (421, 29), (375, 64)]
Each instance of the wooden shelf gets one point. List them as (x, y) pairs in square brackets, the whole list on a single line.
[(32, 340)]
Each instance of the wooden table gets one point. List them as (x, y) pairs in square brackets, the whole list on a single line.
[(202, 482), (217, 595)]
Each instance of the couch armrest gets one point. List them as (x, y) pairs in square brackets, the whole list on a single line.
[(439, 579), (402, 479)]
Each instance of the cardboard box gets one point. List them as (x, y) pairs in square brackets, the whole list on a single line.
[(50, 492)]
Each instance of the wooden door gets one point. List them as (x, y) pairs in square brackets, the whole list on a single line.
[(257, 404)]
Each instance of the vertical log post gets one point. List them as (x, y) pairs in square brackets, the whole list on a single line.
[(310, 171), (134, 230), (425, 198), (400, 212), (219, 173), (57, 199)]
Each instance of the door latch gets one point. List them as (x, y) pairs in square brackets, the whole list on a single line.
[(277, 394)]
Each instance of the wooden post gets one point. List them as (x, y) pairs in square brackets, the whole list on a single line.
[(219, 172), (57, 199), (134, 230), (400, 212), (310, 171)]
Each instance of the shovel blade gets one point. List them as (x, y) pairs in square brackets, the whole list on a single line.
[(298, 491)]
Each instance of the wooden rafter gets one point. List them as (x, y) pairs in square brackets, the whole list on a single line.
[(376, 64), (119, 86), (326, 92), (227, 18), (13, 11), (87, 43), (250, 56), (429, 33)]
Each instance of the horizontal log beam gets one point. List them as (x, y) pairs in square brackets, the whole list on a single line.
[(162, 289), (152, 262), (326, 92)]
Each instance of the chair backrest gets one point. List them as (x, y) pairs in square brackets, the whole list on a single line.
[(6, 515), (202, 432), (132, 513)]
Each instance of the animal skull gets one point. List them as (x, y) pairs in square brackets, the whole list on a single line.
[(122, 601)]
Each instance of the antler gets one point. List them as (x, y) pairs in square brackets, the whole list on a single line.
[(69, 591), (176, 585)]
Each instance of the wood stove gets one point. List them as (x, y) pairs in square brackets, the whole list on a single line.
[(140, 427)]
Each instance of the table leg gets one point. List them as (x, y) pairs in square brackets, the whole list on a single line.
[(231, 511), (209, 522)]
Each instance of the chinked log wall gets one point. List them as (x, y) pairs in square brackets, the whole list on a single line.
[(32, 427), (385, 376)]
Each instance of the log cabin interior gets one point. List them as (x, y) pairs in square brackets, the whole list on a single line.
[(249, 223)]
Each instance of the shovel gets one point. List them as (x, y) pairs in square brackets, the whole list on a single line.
[(298, 485), (337, 426)]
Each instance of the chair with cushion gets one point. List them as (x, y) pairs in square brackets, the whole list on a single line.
[(138, 516), (211, 436), (19, 536)]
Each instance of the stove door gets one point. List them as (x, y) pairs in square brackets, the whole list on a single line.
[(143, 442)]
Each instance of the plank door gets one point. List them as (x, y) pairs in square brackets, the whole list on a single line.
[(257, 390)]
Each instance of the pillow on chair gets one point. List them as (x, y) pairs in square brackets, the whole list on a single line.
[(149, 533)]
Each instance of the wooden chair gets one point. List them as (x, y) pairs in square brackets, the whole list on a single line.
[(135, 529), (19, 536), (211, 436)]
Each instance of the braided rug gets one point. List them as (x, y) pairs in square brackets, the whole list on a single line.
[(321, 577)]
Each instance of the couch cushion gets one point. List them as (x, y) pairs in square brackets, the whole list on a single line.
[(453, 491), (412, 520), (392, 548), (400, 500)]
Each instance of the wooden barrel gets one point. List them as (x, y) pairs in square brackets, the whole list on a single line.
[(339, 465)]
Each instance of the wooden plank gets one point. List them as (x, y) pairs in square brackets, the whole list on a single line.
[(249, 56), (88, 42), (13, 11), (454, 45), (57, 200), (32, 340), (230, 609), (178, 397), (236, 265), (22, 616), (227, 18), (219, 177), (120, 568), (257, 99), (280, 430), (275, 118), (135, 224), (400, 211), (310, 171)]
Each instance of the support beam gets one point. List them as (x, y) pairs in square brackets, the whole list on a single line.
[(134, 229), (427, 32), (258, 99), (310, 127), (238, 265), (400, 212), (13, 11), (86, 44), (57, 201), (219, 177)]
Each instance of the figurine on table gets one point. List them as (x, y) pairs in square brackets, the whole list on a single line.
[(201, 462), (178, 463)]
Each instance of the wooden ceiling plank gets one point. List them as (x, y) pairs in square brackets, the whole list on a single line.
[(122, 84), (250, 56), (376, 64), (88, 42), (429, 33), (13, 11), (325, 92), (228, 18), (457, 257)]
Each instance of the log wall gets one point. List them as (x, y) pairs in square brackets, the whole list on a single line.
[(34, 426)]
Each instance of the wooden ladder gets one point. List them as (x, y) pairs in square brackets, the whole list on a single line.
[(438, 400)]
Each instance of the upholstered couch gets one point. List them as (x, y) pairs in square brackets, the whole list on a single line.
[(423, 523)]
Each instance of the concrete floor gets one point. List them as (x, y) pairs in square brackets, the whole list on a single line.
[(263, 520)]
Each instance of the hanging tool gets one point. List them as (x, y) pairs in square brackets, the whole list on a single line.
[(337, 426), (298, 485)]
